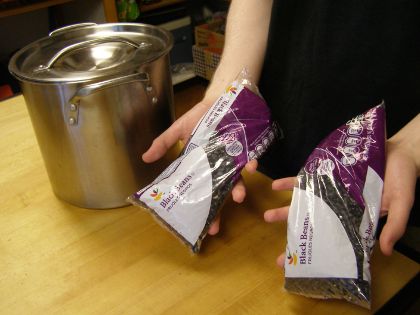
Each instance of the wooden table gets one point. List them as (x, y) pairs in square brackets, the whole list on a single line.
[(59, 259)]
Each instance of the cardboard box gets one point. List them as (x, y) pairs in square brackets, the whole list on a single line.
[(205, 61), (210, 36)]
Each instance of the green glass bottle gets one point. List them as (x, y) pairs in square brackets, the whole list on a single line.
[(122, 6), (133, 11)]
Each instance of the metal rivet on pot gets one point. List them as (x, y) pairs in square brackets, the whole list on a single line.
[(149, 89), (154, 100), (73, 107), (72, 121)]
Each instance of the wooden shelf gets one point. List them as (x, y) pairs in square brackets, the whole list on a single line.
[(30, 7), (158, 5), (110, 9)]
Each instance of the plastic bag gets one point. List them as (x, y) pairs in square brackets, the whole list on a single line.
[(334, 212), (187, 196)]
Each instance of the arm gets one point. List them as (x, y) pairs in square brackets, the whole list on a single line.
[(245, 44)]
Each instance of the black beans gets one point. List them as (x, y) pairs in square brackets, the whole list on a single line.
[(353, 290), (236, 128), (335, 210), (350, 215), (223, 169), (347, 210)]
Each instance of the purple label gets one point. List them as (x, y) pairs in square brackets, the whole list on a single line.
[(246, 129), (348, 152)]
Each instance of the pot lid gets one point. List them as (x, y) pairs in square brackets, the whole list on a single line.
[(88, 51)]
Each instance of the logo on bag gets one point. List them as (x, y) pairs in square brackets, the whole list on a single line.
[(231, 89), (156, 195), (292, 258)]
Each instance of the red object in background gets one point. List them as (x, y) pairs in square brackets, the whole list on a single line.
[(5, 92)]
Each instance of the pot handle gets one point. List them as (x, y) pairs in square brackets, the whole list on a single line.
[(73, 112), (87, 43), (70, 27)]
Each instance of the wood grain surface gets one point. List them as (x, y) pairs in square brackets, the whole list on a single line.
[(59, 259)]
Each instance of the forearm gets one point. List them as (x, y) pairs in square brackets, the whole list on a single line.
[(245, 43), (408, 139)]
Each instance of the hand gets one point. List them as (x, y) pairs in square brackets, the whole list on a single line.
[(238, 195), (397, 199), (398, 196), (181, 130), (280, 214), (401, 171)]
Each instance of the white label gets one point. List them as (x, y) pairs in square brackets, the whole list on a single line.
[(372, 193), (318, 246), (211, 119), (234, 148), (183, 199)]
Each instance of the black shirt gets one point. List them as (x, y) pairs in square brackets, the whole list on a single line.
[(328, 61)]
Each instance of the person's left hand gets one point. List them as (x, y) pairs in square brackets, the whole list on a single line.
[(397, 197), (280, 214)]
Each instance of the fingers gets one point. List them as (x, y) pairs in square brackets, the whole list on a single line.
[(179, 130), (286, 183), (281, 259), (274, 215), (214, 227), (251, 166), (396, 223), (397, 198), (162, 144), (280, 214), (238, 195), (239, 191)]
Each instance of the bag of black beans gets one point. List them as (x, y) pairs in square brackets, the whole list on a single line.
[(334, 212), (187, 196)]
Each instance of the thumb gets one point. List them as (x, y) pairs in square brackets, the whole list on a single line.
[(397, 198), (394, 228), (162, 143)]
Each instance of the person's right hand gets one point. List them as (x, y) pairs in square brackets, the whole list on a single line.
[(180, 130)]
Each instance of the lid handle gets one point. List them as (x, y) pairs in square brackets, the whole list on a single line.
[(71, 27), (88, 43)]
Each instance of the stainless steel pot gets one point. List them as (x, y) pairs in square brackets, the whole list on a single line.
[(97, 96)]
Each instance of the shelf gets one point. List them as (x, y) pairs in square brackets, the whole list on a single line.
[(109, 7), (30, 7), (158, 5)]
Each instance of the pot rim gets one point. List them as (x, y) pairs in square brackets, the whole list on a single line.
[(125, 68)]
